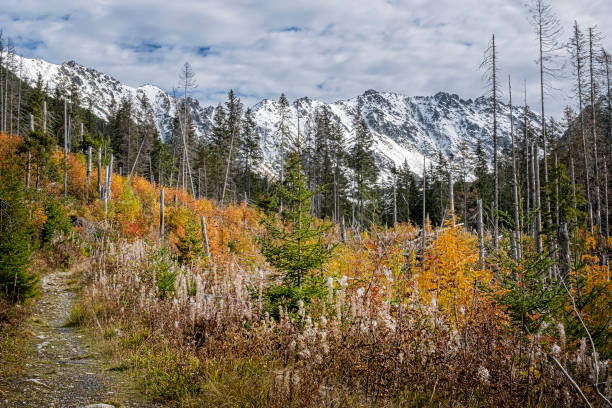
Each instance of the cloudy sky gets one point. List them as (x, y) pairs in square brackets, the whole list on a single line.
[(324, 49)]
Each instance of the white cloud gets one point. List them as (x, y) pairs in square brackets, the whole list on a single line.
[(323, 49)]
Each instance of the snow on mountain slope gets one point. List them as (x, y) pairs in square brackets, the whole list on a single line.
[(404, 128), (100, 92)]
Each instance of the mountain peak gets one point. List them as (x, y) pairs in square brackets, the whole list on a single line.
[(404, 128), (71, 63)]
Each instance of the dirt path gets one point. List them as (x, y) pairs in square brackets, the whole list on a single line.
[(61, 369)]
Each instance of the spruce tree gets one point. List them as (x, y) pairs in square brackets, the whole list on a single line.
[(293, 241), (282, 134), (365, 172), (483, 183), (250, 152), (16, 237), (338, 159)]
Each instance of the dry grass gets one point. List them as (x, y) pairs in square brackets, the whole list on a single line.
[(209, 344)]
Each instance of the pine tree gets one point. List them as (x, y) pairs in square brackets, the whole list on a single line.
[(322, 165), (483, 183), (147, 133), (16, 237), (465, 169), (123, 134), (233, 108), (365, 171), (215, 151), (282, 134), (338, 157), (250, 152), (162, 162), (294, 243)]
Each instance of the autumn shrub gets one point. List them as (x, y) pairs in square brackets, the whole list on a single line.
[(589, 284)]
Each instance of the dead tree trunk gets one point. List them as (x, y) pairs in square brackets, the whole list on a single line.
[(594, 135), (578, 56), (481, 248), (88, 174), (517, 227), (205, 237), (495, 164), (424, 209), (394, 203), (162, 205), (229, 159), (451, 197), (65, 147), (29, 164), (607, 209), (99, 172), (537, 208)]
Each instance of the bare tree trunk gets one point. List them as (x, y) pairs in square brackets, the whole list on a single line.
[(495, 165), (573, 190), (205, 237), (65, 147), (481, 248), (88, 174), (107, 185), (137, 157), (29, 165), (557, 216), (342, 229), (151, 175), (44, 129), (99, 172), (528, 181), (229, 160), (527, 150), (205, 183), (517, 226), (536, 188), (424, 195), (544, 141), (19, 98), (582, 127), (6, 77), (394, 203), (451, 196), (162, 207), (44, 118), (607, 208), (594, 134), (1, 87)]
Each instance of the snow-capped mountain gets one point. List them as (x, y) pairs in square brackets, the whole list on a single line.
[(404, 128), (99, 92)]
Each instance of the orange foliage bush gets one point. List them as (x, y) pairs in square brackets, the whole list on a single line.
[(451, 272)]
